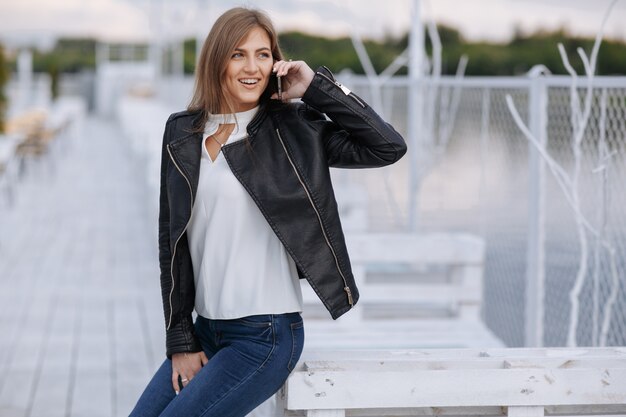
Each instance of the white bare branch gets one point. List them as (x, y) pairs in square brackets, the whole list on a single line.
[(580, 125), (370, 72), (562, 178), (399, 62)]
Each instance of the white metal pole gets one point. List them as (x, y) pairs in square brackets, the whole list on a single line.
[(178, 57), (535, 272), (205, 22), (25, 79), (156, 44), (415, 108)]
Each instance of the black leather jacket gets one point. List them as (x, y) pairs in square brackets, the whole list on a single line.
[(284, 166)]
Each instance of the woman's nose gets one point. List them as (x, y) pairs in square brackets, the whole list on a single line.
[(251, 65)]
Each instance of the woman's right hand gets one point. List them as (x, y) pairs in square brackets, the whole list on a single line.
[(186, 365), (297, 77)]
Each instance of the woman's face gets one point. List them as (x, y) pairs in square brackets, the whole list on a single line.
[(248, 70)]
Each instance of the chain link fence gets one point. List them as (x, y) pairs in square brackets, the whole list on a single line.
[(477, 175)]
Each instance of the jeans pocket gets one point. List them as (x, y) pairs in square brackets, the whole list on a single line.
[(297, 343), (255, 321)]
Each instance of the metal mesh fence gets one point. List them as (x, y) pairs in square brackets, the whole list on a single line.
[(601, 194), (477, 178)]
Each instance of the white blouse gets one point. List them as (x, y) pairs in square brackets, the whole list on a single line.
[(240, 267)]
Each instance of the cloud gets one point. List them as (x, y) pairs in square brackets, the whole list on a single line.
[(105, 19), (496, 19), (130, 19)]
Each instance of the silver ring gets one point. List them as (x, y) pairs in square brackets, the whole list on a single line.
[(184, 380)]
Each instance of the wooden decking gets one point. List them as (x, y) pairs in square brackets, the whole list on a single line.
[(80, 314)]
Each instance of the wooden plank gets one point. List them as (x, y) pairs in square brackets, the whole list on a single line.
[(51, 397), (326, 413), (336, 341), (525, 412), (92, 394), (16, 392), (508, 354), (420, 293), (511, 387), (407, 326), (431, 294), (599, 410), (423, 248), (133, 363), (457, 364)]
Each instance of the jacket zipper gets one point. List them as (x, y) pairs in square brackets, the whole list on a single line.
[(319, 219), (343, 88), (181, 234)]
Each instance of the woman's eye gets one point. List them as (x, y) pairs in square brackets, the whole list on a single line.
[(264, 55), (237, 55)]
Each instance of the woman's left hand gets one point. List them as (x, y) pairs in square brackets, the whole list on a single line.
[(296, 77)]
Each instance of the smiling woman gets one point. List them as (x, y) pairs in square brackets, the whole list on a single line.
[(240, 225)]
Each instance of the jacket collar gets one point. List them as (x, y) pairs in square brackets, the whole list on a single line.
[(187, 149), (189, 128)]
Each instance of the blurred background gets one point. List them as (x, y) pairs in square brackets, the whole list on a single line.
[(504, 226)]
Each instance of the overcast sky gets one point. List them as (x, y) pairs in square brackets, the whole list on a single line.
[(130, 19)]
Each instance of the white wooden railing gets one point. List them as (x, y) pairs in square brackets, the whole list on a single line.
[(458, 382)]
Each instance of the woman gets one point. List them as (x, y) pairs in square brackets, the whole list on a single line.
[(246, 209)]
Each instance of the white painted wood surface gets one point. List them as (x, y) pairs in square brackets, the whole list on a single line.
[(326, 413), (525, 412), (514, 382)]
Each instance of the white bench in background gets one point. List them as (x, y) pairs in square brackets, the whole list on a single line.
[(416, 291), (458, 382)]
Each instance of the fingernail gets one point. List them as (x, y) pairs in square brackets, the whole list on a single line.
[(176, 392)]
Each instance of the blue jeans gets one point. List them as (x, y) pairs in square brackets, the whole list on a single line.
[(250, 358)]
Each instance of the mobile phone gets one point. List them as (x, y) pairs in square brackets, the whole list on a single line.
[(280, 87)]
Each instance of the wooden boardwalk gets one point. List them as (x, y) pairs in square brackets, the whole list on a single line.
[(81, 326)]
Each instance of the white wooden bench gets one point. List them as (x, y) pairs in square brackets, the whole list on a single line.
[(458, 382), (416, 291)]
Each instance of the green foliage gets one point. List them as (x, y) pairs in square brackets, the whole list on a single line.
[(189, 60), (512, 58), (524, 51), (336, 54), (4, 78), (68, 56)]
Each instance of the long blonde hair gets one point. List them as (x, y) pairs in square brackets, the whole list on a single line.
[(229, 30)]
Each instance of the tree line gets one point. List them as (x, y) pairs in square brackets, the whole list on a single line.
[(514, 57)]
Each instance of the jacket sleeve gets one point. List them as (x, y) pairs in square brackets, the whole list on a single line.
[(180, 335), (355, 136)]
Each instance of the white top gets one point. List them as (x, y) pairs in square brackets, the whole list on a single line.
[(240, 267)]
